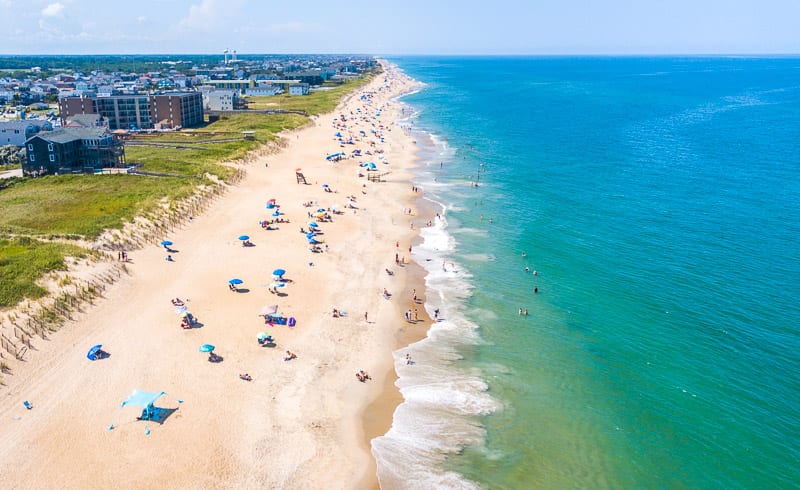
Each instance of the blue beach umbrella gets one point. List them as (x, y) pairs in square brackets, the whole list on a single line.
[(278, 272), (311, 235), (312, 224), (235, 280), (206, 348), (276, 213), (244, 237), (166, 243), (93, 351)]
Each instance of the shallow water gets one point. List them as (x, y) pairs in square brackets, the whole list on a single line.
[(657, 200)]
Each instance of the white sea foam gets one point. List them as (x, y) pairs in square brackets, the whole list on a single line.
[(442, 399)]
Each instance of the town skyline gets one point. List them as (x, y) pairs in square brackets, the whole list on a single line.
[(507, 27)]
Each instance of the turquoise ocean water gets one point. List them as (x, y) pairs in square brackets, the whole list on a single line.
[(658, 199)]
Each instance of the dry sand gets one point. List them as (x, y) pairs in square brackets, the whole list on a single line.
[(304, 423)]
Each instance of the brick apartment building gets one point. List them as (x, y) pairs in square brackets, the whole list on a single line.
[(172, 110)]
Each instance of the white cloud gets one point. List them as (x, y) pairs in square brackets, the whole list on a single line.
[(209, 15), (53, 10)]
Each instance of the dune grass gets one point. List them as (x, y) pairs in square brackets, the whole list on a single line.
[(316, 102), (83, 205), (24, 260), (195, 159)]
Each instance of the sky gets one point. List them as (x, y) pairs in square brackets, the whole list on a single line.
[(401, 27)]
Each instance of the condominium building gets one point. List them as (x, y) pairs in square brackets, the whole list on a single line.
[(172, 110)]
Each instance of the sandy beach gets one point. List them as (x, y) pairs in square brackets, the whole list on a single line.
[(303, 423)]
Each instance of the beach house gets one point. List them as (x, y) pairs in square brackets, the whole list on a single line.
[(16, 133), (72, 150)]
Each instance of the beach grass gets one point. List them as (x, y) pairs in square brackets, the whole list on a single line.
[(316, 102), (198, 152), (23, 260), (83, 205)]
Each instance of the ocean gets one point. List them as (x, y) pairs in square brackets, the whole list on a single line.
[(658, 202)]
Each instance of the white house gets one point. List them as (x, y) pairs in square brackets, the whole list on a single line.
[(263, 90), (17, 132), (298, 89), (222, 100)]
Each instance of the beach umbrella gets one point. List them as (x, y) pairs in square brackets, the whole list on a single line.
[(244, 237), (337, 134), (206, 348), (166, 243), (276, 214), (235, 280), (311, 235), (278, 272), (324, 186), (270, 205), (180, 310), (321, 210), (313, 224), (93, 351), (262, 336), (319, 215)]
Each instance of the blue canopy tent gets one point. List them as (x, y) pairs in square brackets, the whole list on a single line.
[(145, 399)]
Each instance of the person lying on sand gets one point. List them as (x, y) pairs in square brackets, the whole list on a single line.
[(177, 302), (389, 272), (289, 356), (245, 377)]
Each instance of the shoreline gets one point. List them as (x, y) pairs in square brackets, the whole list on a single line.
[(149, 352)]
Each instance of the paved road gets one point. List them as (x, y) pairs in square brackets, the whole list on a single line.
[(11, 173)]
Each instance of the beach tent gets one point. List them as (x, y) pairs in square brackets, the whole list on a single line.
[(143, 399)]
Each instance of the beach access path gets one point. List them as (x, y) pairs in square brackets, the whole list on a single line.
[(298, 423)]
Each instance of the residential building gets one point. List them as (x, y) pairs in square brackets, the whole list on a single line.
[(298, 89), (86, 121), (72, 150), (238, 85), (126, 111), (263, 90), (16, 133), (171, 110), (177, 109), (222, 100)]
